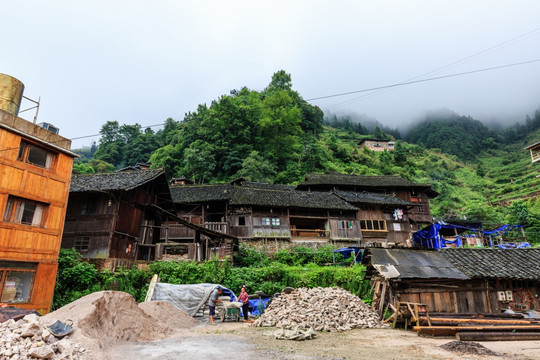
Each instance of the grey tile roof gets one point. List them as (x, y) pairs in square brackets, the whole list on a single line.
[(336, 180), (359, 180), (365, 197), (268, 186), (125, 180), (514, 264), (287, 198), (413, 264), (195, 194), (256, 194)]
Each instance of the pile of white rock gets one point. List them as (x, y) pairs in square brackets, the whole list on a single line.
[(27, 338), (323, 309)]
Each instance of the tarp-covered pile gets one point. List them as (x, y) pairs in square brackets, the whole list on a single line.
[(189, 298)]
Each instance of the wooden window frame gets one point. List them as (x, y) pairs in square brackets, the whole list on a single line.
[(81, 242), (24, 155), (90, 210), (15, 215), (13, 266), (369, 225)]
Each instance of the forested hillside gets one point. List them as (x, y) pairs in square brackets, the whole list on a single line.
[(274, 135)]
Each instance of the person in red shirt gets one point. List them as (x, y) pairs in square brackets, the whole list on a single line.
[(244, 299)]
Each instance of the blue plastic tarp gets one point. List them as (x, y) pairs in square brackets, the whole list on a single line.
[(347, 252), (431, 238), (523, 245), (256, 304)]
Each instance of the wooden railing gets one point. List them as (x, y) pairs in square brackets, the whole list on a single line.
[(310, 233)]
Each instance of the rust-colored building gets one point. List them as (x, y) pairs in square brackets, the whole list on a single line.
[(35, 172)]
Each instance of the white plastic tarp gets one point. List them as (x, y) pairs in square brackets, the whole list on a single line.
[(188, 298)]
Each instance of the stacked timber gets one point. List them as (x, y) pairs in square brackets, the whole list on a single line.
[(323, 309), (481, 327)]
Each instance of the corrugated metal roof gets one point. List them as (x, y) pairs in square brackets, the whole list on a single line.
[(413, 264)]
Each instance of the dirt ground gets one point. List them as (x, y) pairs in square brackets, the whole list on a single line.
[(230, 340)]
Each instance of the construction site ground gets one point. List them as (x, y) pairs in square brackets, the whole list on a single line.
[(234, 340)]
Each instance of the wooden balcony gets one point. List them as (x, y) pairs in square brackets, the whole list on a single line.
[(310, 233)]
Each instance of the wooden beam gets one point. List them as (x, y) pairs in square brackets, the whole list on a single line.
[(482, 321), (497, 336), (452, 330)]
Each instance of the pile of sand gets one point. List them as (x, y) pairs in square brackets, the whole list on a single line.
[(110, 317), (167, 314)]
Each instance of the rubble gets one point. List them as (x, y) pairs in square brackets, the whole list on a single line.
[(323, 309), (297, 334), (29, 338)]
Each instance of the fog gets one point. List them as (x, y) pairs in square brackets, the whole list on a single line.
[(143, 62)]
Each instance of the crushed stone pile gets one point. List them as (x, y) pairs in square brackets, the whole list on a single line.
[(106, 318), (28, 338), (323, 309), (470, 348)]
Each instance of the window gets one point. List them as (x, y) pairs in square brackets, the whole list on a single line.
[(81, 243), (16, 280), (241, 221), (373, 225), (35, 155), (266, 221), (24, 211), (90, 207), (343, 224)]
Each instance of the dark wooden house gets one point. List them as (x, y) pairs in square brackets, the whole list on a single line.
[(265, 213), (35, 171), (400, 205), (456, 280), (116, 215)]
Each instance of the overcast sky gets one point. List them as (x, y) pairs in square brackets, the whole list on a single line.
[(144, 61)]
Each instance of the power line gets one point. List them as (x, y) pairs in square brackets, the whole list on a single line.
[(491, 49), (81, 137), (425, 80)]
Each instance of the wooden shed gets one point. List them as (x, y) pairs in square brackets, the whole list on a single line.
[(35, 172), (456, 280)]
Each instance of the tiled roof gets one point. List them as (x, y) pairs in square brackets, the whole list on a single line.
[(365, 197), (268, 186), (413, 264), (194, 194), (287, 198), (514, 264), (257, 194), (358, 180), (125, 180)]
